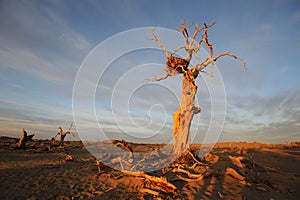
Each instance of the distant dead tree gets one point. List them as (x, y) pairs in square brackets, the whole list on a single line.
[(176, 65), (24, 138), (62, 135)]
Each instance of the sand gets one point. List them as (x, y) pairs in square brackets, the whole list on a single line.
[(233, 171)]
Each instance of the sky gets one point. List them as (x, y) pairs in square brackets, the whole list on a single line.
[(44, 44)]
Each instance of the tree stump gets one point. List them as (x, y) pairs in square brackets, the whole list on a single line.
[(23, 140)]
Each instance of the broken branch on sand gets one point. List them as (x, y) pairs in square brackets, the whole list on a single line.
[(234, 174), (158, 183), (149, 191), (189, 174)]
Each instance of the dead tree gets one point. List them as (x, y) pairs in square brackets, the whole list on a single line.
[(175, 65), (62, 135), (24, 138)]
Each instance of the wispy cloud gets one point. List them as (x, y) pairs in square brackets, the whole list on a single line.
[(37, 41), (263, 118), (37, 46)]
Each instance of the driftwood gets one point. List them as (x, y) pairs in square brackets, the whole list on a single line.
[(98, 166), (234, 174), (156, 159), (69, 157), (155, 183), (189, 157), (23, 140), (62, 135), (149, 191), (189, 174), (194, 157)]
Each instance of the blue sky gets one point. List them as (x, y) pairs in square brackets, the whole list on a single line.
[(43, 43)]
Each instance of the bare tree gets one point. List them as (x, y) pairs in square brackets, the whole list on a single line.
[(175, 65), (62, 135)]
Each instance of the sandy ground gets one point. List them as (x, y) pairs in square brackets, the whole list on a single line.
[(42, 172)]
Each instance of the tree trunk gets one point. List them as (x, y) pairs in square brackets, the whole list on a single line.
[(183, 118), (23, 140), (62, 136)]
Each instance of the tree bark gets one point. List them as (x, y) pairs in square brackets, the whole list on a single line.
[(23, 140), (62, 136), (183, 118)]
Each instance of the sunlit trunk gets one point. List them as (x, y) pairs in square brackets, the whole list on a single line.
[(183, 118)]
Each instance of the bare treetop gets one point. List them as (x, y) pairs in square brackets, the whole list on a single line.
[(176, 65)]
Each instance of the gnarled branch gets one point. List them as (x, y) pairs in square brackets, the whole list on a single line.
[(191, 48), (157, 39), (169, 72), (210, 60), (184, 31), (205, 37), (160, 183), (232, 55), (189, 174)]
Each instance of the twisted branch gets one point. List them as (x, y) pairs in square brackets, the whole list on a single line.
[(169, 72), (160, 183), (232, 55), (210, 60), (191, 48), (157, 39), (176, 50), (184, 31)]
